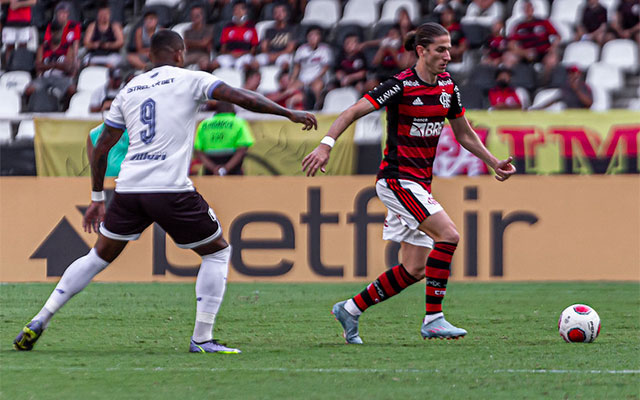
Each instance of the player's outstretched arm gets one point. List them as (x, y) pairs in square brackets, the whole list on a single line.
[(98, 161), (319, 157), (256, 102), (468, 138)]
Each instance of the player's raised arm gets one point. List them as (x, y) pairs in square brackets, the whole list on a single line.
[(468, 138), (256, 102), (319, 157)]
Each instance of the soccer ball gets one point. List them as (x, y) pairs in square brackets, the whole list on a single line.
[(579, 323)]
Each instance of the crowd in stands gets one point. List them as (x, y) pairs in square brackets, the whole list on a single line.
[(504, 52)]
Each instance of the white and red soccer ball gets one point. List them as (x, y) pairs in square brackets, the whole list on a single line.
[(579, 323)]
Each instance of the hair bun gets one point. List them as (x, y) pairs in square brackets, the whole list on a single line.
[(410, 42)]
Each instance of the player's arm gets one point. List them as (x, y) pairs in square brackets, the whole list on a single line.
[(258, 103), (468, 138), (319, 157)]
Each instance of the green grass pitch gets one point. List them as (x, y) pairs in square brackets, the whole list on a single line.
[(130, 341)]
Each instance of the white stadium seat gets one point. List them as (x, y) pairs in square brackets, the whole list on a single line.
[(546, 95), (181, 28), (262, 26), (268, 79), (15, 80), (582, 54), (564, 28), (9, 103), (540, 8), (5, 131), (340, 99), (391, 7), (230, 76), (79, 104), (26, 130), (604, 76), (601, 99), (92, 77), (623, 53), (360, 12), (567, 10), (167, 3), (524, 97), (611, 6), (324, 13)]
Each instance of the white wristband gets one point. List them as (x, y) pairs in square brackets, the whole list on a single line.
[(98, 196), (329, 141)]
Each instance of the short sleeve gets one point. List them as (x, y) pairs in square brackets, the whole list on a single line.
[(115, 117), (456, 110), (387, 93), (203, 85), (327, 56), (299, 55), (245, 138), (254, 37)]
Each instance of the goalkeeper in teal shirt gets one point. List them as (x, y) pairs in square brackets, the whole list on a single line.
[(222, 142), (116, 154)]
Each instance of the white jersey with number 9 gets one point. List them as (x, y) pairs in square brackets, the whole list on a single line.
[(158, 108)]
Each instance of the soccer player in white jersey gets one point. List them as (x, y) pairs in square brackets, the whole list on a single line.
[(159, 109)]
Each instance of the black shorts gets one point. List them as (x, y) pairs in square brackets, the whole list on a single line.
[(185, 216)]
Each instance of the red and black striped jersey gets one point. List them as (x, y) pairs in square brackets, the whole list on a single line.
[(415, 116)]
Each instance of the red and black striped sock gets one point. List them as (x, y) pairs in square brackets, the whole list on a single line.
[(388, 284), (437, 275)]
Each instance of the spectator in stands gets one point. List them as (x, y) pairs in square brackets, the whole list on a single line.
[(626, 21), (239, 41), (458, 41), (574, 93), (287, 95), (387, 59), (103, 39), (484, 13), (351, 66), (252, 79), (533, 37), (457, 6), (72, 31), (593, 24), (495, 46), (102, 97), (198, 39), (503, 96), (16, 30), (56, 68), (140, 58), (222, 142), (311, 65), (279, 41), (403, 19)]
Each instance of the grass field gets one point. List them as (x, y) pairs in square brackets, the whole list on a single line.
[(130, 341)]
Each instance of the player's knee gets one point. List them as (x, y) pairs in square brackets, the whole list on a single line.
[(415, 269), (449, 235)]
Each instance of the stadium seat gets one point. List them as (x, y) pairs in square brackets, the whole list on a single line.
[(230, 76), (360, 12), (5, 132), (604, 76), (523, 95), (92, 77), (9, 103), (181, 28), (582, 54), (79, 104), (268, 79), (540, 8), (391, 7), (611, 6), (15, 80), (545, 95), (565, 29), (166, 3), (381, 29), (569, 11), (340, 32), (262, 26), (601, 100), (623, 53), (324, 13), (26, 130), (339, 100)]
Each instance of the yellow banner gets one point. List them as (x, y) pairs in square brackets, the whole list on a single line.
[(329, 229)]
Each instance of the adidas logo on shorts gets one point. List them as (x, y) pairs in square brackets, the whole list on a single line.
[(417, 102)]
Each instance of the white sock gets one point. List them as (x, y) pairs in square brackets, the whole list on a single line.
[(432, 317), (352, 308), (210, 286), (75, 278)]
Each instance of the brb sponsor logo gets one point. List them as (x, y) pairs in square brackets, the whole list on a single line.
[(425, 129)]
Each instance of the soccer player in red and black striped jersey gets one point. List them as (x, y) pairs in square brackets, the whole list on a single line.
[(417, 100)]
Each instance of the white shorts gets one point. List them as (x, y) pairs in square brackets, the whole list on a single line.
[(16, 34), (408, 204)]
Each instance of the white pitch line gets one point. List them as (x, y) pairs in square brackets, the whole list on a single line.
[(318, 370)]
